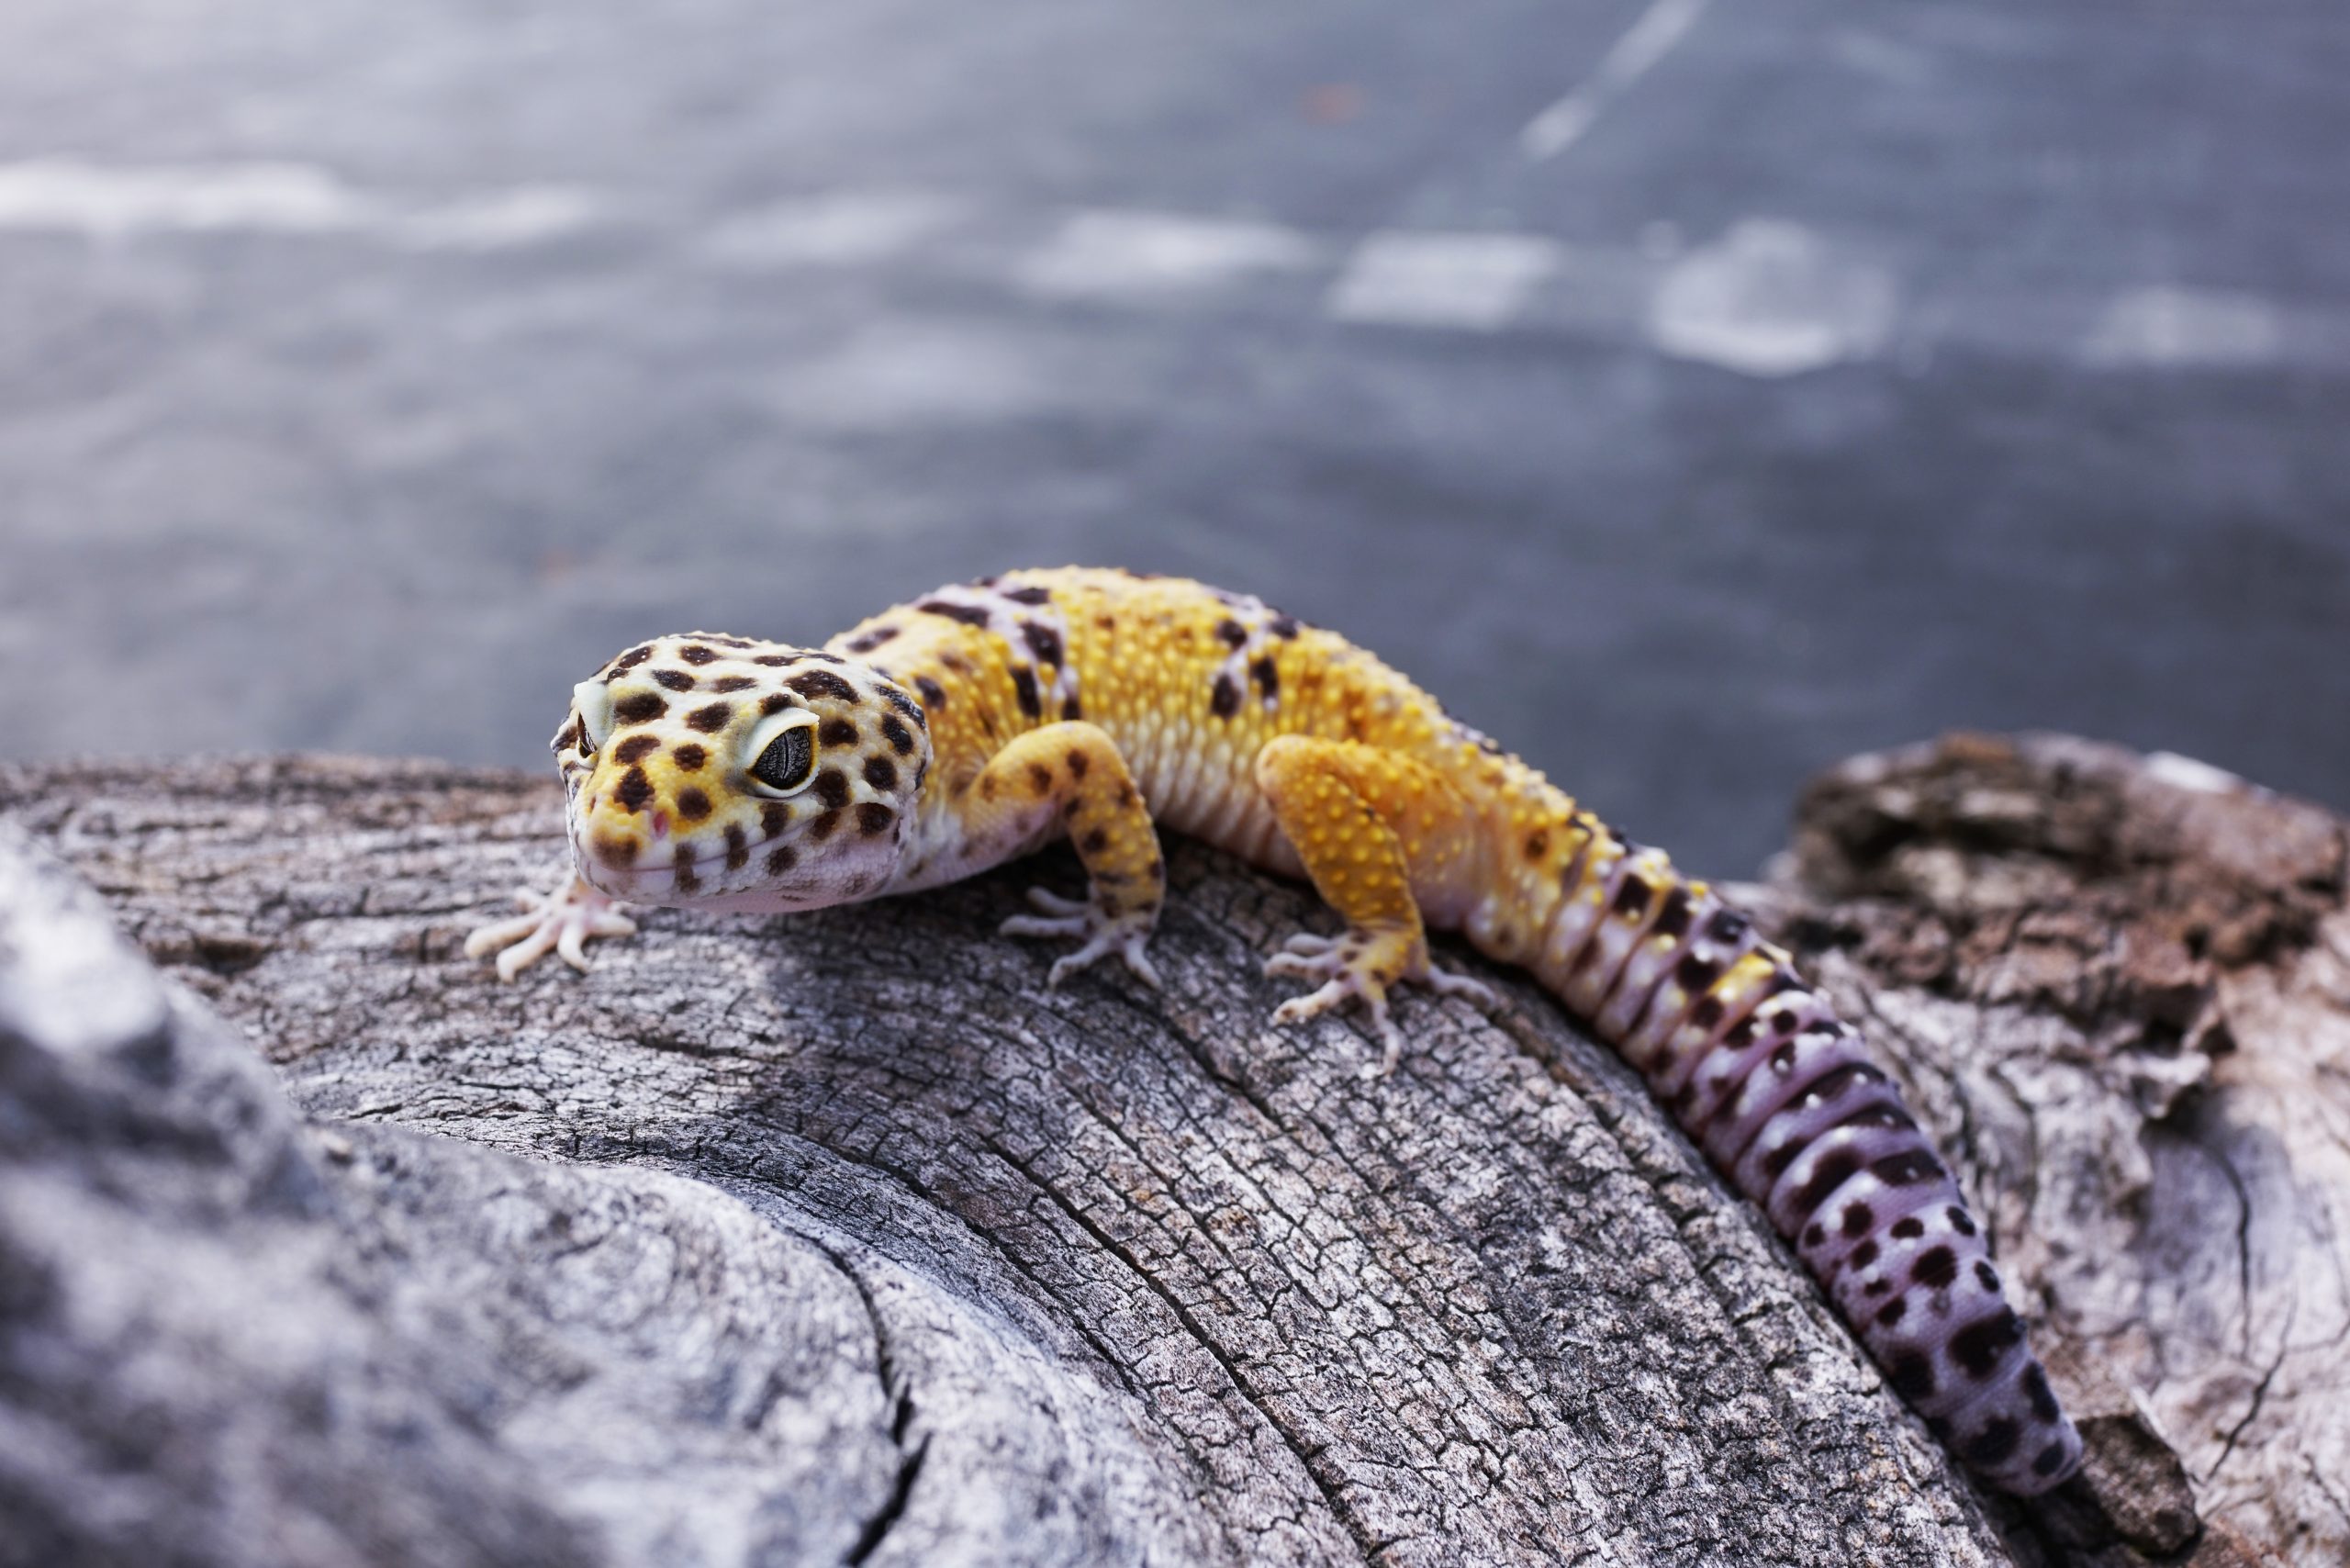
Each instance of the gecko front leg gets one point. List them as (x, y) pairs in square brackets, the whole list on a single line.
[(1071, 774), (562, 921)]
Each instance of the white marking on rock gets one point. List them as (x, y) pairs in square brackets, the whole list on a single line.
[(2166, 325), (1474, 281), (1646, 41), (71, 195), (839, 228), (1773, 298), (1151, 252)]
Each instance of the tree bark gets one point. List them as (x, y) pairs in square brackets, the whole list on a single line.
[(837, 1237)]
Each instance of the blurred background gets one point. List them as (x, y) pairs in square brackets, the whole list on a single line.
[(1690, 394)]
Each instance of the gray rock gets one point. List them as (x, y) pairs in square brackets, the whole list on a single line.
[(838, 1238)]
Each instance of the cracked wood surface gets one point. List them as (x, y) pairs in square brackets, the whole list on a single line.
[(836, 1237)]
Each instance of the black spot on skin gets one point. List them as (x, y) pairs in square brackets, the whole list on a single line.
[(1029, 594), (881, 773), (1877, 1287), (738, 847), (1986, 1276), (1674, 918), (776, 661), (773, 817), (1040, 778), (955, 662), (1907, 1169), (874, 818), (836, 732), (1632, 898), (711, 719), (639, 707), (867, 641), (2043, 1398), (1979, 1347), (1783, 1060), (728, 642), (832, 788), (1125, 795), (1935, 1269), (1961, 1221), (1694, 974), (1891, 1312), (1814, 1234), (1078, 764), (1912, 1375), (822, 683), (1283, 625), (906, 705), (1043, 641), (636, 748), (1776, 1163), (675, 679), (1069, 710), (1706, 1012), (1834, 1170), (969, 615), (901, 739), (2050, 1461), (695, 654), (733, 683), (1267, 677), (824, 826), (692, 804), (1727, 925), (775, 703), (689, 757), (932, 694), (1858, 1217), (1862, 1256), (1741, 1034), (635, 790), (1224, 700), (1538, 844), (1909, 1227), (1993, 1443), (781, 858), (1023, 687), (1094, 843), (633, 658), (1232, 631), (688, 880)]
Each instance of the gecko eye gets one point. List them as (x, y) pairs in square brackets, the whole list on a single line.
[(783, 753), (592, 700)]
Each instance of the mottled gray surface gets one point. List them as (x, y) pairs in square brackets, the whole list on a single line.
[(1906, 367)]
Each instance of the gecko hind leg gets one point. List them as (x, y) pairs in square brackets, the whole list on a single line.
[(1363, 821)]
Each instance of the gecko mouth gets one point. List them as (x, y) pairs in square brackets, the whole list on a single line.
[(611, 877)]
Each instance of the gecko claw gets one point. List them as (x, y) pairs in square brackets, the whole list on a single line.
[(1359, 967), (1101, 934), (561, 922)]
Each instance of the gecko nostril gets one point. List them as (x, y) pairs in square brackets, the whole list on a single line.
[(660, 825)]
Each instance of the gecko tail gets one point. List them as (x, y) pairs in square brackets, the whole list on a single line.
[(1781, 1095)]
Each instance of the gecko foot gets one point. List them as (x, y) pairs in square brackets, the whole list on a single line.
[(1103, 935), (562, 920), (1359, 967)]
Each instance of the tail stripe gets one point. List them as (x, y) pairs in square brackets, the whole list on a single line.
[(1782, 1097)]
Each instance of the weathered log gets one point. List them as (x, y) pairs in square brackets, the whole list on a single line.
[(838, 1237)]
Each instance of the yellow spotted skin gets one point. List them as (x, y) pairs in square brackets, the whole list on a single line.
[(987, 718)]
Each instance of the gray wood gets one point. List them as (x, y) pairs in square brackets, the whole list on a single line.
[(836, 1237)]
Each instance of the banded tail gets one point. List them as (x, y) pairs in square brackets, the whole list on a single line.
[(1781, 1096)]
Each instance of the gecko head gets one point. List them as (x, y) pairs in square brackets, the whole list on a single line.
[(724, 773)]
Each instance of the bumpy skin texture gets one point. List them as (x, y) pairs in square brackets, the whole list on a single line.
[(987, 718)]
